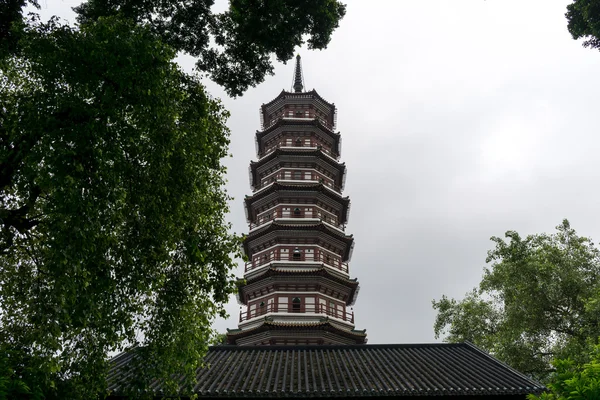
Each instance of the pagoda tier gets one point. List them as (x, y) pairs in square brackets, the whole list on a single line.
[(323, 332), (298, 132), (273, 201), (297, 164), (306, 232), (317, 279), (296, 287), (298, 105)]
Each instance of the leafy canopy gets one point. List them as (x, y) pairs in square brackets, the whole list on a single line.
[(246, 35), (572, 381), (583, 18), (112, 207), (539, 301)]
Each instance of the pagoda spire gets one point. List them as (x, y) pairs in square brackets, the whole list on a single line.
[(298, 78)]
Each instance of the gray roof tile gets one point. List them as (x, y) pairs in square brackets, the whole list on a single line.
[(356, 370)]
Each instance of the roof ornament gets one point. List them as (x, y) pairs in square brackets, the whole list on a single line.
[(298, 77)]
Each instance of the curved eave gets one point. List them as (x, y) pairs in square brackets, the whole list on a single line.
[(277, 187), (321, 272), (285, 95), (325, 325), (300, 122), (297, 121), (275, 226), (270, 103), (295, 151)]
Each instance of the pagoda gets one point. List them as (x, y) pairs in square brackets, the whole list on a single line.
[(296, 292), (297, 288)]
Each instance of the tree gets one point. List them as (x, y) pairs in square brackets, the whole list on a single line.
[(571, 381), (246, 35), (112, 208), (539, 301), (583, 18)]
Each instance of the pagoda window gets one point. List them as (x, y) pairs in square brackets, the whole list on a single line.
[(282, 303), (306, 114), (297, 254), (309, 256), (290, 113), (322, 305), (309, 304), (296, 304), (332, 308), (297, 212), (298, 142), (271, 305), (297, 175)]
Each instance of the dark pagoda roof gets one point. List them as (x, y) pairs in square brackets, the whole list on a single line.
[(296, 151), (268, 325), (320, 226), (314, 187), (359, 371), (321, 271), (288, 122), (293, 95)]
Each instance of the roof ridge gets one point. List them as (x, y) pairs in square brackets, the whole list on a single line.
[(505, 365)]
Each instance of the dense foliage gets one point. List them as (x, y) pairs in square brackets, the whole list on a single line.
[(246, 34), (539, 301), (112, 207), (584, 21), (572, 381)]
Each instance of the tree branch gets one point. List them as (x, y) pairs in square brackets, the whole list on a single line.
[(17, 218)]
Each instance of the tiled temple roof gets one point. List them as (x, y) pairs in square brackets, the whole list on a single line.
[(360, 371)]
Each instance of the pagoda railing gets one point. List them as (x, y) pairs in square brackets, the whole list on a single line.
[(311, 146), (301, 117), (312, 177), (295, 258), (322, 309), (278, 213)]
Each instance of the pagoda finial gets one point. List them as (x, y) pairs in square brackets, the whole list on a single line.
[(298, 78)]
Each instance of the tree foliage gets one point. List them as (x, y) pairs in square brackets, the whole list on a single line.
[(246, 34), (583, 18), (539, 301), (112, 207), (572, 381)]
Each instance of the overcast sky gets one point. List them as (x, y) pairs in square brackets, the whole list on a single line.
[(460, 120)]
